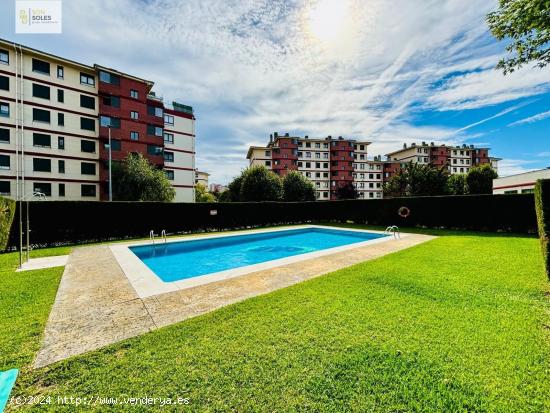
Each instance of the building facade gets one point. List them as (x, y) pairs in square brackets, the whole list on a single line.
[(520, 183), (330, 163), (201, 177), (456, 159), (55, 118)]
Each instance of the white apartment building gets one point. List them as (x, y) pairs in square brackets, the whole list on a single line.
[(53, 142), (523, 183)]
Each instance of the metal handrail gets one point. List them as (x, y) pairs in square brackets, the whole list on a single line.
[(163, 235), (152, 236), (393, 229)]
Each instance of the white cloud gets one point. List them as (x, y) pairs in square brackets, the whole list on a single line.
[(531, 119), (508, 167)]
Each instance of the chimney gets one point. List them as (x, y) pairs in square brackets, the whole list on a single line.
[(286, 135), (330, 136), (423, 143), (307, 137), (404, 146), (275, 135), (270, 137), (431, 143)]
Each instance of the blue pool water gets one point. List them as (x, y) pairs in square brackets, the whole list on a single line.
[(180, 260)]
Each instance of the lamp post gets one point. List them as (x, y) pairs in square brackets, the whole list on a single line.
[(110, 171)]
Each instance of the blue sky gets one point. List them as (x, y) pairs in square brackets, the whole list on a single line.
[(388, 72)]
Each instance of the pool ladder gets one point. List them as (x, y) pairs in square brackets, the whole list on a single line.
[(152, 235), (393, 229)]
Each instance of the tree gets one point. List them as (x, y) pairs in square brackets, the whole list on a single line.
[(456, 184), (526, 25), (202, 195), (135, 179), (416, 179), (233, 192), (260, 184), (297, 188), (347, 191), (480, 179)]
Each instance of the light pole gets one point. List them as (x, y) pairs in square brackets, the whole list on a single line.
[(110, 172)]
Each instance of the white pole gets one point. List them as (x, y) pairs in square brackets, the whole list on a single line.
[(110, 173)]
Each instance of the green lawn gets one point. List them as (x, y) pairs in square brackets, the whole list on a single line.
[(457, 324)]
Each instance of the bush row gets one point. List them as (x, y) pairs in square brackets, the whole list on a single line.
[(56, 223), (542, 204)]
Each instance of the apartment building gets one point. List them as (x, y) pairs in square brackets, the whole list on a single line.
[(201, 177), (55, 119), (523, 183), (457, 159), (328, 162)]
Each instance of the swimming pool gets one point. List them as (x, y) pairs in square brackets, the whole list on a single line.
[(174, 261)]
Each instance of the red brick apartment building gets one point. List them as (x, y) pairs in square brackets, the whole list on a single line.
[(55, 116), (334, 162)]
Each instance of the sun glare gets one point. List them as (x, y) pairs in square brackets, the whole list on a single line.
[(327, 19)]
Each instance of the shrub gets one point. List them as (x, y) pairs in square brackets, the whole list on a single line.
[(542, 205), (260, 184), (7, 211), (480, 179), (65, 222), (296, 187)]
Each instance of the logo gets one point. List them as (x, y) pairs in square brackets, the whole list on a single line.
[(38, 16)]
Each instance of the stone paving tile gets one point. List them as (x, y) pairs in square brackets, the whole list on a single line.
[(96, 305)]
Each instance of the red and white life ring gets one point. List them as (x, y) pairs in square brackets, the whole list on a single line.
[(404, 212)]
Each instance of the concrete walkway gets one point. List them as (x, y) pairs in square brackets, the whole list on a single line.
[(96, 305), (44, 262)]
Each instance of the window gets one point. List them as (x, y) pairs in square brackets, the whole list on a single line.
[(168, 138), (528, 191), (61, 166), (134, 94), (61, 119), (511, 192), (40, 91), (169, 175), (4, 162), (5, 188), (154, 130), (86, 79), (134, 136), (61, 190), (87, 146), (107, 121), (107, 77), (115, 145), (41, 140), (4, 83), (41, 165), (4, 135), (42, 187), (169, 156), (60, 95), (267, 163), (113, 101), (154, 150), (60, 142), (168, 119), (87, 124), (4, 57), (40, 115), (87, 102), (60, 72), (87, 168), (134, 115), (39, 66), (155, 111), (88, 190)]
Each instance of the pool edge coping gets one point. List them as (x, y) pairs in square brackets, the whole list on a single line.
[(147, 284)]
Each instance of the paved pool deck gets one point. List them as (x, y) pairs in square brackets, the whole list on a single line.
[(96, 304)]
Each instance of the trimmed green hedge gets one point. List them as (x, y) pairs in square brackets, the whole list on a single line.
[(542, 205), (7, 212), (64, 222)]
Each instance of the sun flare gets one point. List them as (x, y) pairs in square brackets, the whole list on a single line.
[(327, 19)]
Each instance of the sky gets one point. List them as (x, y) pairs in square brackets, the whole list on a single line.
[(386, 71)]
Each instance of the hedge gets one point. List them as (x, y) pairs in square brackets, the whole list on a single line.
[(542, 204), (65, 222), (7, 212)]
